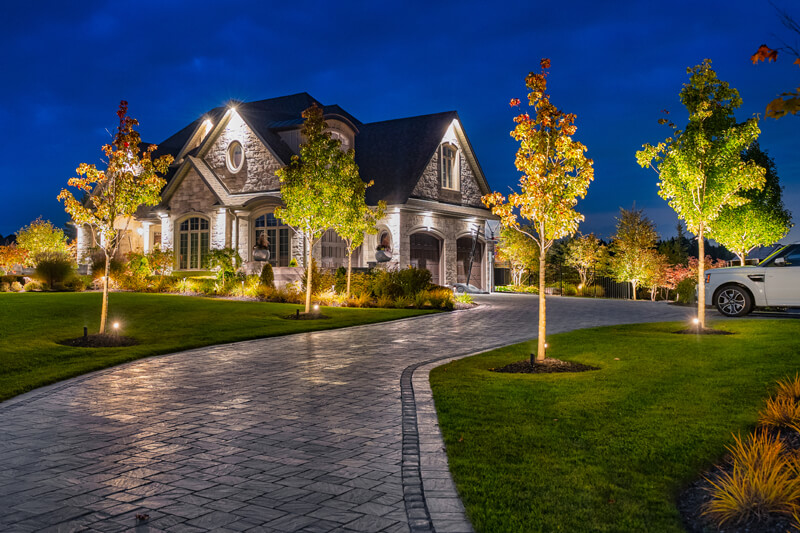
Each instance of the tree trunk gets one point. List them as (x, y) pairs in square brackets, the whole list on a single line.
[(308, 279), (742, 257), (349, 271), (540, 350), (104, 308), (633, 285), (701, 281)]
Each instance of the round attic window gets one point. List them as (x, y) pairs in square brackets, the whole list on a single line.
[(235, 157)]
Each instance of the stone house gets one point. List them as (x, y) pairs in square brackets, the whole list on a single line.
[(222, 191)]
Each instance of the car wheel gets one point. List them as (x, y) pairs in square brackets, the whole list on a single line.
[(734, 301)]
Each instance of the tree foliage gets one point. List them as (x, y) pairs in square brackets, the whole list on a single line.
[(519, 250), (700, 168), (585, 254), (763, 220), (555, 174), (314, 183), (356, 218), (41, 240), (633, 248), (12, 257), (131, 179)]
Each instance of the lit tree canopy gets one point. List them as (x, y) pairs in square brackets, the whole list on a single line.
[(131, 179), (314, 184), (584, 253), (519, 250), (633, 247), (555, 174), (40, 239), (763, 220), (700, 168)]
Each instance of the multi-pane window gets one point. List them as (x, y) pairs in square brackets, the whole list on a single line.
[(334, 251), (277, 235), (448, 166), (192, 243)]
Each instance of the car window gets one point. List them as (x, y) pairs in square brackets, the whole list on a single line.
[(786, 252), (793, 258)]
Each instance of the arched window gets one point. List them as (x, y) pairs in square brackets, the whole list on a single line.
[(448, 167), (278, 238), (342, 138), (192, 243)]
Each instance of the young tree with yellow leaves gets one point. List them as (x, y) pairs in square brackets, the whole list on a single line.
[(555, 173), (131, 179)]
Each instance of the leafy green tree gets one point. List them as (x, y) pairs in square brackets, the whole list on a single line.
[(519, 250), (632, 245), (313, 185), (700, 168), (585, 254), (41, 240), (131, 179), (676, 249), (555, 173), (357, 218), (763, 220)]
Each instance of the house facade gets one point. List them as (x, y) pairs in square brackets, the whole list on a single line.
[(222, 191)]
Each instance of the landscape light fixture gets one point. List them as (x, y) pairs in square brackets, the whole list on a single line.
[(116, 325), (316, 308)]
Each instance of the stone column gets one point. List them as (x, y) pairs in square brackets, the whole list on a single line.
[(243, 234), (146, 245), (84, 243), (167, 233), (450, 256), (218, 221)]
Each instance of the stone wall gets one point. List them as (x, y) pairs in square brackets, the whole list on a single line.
[(193, 195), (257, 172), (428, 185)]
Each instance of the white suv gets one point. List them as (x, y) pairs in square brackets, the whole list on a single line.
[(775, 282)]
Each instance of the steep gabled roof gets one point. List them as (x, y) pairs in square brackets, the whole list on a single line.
[(394, 153)]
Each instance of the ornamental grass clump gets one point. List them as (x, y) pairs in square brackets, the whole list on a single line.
[(762, 481), (781, 412), (789, 388)]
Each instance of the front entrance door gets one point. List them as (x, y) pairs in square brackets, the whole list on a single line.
[(425, 253), (463, 250)]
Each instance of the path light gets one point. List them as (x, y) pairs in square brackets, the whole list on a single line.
[(316, 308), (696, 321), (116, 325)]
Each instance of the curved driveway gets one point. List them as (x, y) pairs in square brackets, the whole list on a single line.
[(299, 433)]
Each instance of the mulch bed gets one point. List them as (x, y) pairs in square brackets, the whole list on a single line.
[(704, 331), (548, 366), (692, 501), (100, 341), (305, 316)]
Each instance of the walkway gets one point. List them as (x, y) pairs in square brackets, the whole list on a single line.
[(309, 432)]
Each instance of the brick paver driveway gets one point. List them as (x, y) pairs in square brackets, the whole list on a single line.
[(304, 432)]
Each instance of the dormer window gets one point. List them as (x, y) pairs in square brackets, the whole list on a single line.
[(448, 167), (235, 157), (342, 138)]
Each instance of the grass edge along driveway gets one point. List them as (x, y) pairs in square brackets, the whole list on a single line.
[(32, 323), (606, 450)]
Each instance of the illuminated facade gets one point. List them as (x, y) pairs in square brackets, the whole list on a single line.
[(222, 191)]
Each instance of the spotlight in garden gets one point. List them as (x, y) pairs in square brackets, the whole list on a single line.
[(116, 325), (695, 321), (316, 308)]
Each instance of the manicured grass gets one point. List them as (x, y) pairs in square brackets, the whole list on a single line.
[(31, 323), (606, 450)]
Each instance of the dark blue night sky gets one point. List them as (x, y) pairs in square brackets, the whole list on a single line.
[(67, 65)]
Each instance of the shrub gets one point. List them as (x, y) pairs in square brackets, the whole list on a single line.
[(568, 289), (403, 302), (385, 301), (441, 298), (268, 276), (760, 482), (16, 287), (223, 261), (413, 280), (321, 279), (54, 268), (161, 261), (780, 413), (138, 265), (12, 278), (77, 283), (329, 298), (464, 298), (421, 300), (685, 290), (5, 286), (593, 290), (340, 280), (362, 300), (116, 268), (33, 286), (384, 283), (361, 282), (293, 262)]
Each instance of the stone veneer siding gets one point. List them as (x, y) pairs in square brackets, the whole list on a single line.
[(193, 195), (258, 170), (428, 185)]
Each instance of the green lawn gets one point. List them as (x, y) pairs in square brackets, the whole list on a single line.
[(31, 323), (607, 450)]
